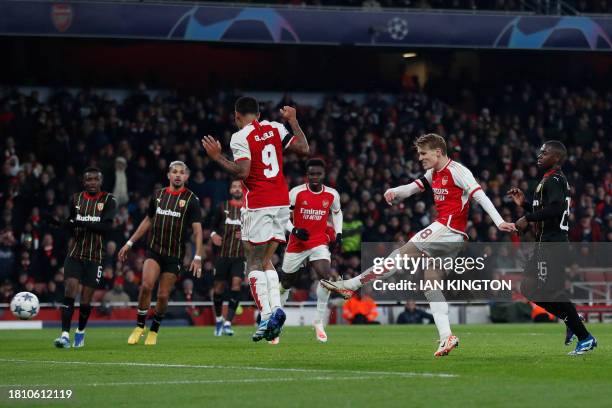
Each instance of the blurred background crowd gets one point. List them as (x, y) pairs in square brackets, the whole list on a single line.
[(366, 141)]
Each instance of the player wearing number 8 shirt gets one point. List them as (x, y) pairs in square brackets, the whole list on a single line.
[(453, 186), (544, 278), (258, 161), (91, 216)]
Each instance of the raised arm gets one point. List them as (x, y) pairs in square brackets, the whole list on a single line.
[(238, 169), (298, 143)]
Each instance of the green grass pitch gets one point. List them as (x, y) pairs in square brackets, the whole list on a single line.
[(495, 366)]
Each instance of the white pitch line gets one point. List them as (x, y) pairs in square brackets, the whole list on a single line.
[(187, 382), (220, 367)]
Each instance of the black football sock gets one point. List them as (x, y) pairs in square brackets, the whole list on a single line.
[(218, 302), (84, 312), (141, 318), (157, 319), (67, 311), (566, 311), (234, 300), (572, 320)]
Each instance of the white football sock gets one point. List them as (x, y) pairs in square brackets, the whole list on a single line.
[(259, 290), (368, 275), (65, 334), (273, 289), (322, 298), (439, 310), (285, 296)]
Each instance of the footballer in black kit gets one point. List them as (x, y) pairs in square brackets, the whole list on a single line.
[(544, 278), (172, 212), (91, 217), (231, 262)]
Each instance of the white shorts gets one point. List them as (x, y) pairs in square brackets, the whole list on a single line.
[(438, 240), (293, 260), (264, 225)]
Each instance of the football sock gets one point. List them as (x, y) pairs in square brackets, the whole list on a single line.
[(259, 290), (234, 300), (322, 298), (67, 311), (141, 317), (273, 289), (285, 296), (157, 319), (369, 275), (218, 302), (84, 312), (439, 310), (566, 311)]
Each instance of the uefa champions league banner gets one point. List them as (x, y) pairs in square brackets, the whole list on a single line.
[(488, 272), (303, 25)]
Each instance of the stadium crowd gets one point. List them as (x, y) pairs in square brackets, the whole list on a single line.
[(535, 6), (367, 145)]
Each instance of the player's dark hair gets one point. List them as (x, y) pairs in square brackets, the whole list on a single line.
[(558, 148), (315, 162), (246, 105), (431, 141), (92, 169)]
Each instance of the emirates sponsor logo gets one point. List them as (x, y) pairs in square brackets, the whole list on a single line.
[(168, 212), (312, 214), (87, 218)]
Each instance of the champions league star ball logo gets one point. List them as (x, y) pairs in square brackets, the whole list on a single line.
[(397, 28)]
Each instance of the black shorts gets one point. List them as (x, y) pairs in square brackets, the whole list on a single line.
[(89, 273), (544, 276), (166, 263), (228, 268)]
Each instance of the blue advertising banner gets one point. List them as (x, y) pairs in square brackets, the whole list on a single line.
[(303, 25)]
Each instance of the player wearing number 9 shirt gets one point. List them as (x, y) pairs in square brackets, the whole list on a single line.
[(258, 161)]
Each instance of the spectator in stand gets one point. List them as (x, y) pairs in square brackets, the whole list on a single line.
[(413, 315), (360, 310)]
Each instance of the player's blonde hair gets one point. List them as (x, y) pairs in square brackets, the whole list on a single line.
[(431, 141), (178, 163)]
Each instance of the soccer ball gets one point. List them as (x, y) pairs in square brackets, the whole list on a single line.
[(25, 305)]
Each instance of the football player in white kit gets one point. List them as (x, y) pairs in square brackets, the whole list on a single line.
[(453, 186)]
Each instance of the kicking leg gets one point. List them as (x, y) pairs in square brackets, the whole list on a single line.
[(347, 288)]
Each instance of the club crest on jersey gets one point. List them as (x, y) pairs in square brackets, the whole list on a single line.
[(444, 180), (304, 202), (182, 203), (325, 203), (100, 206)]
